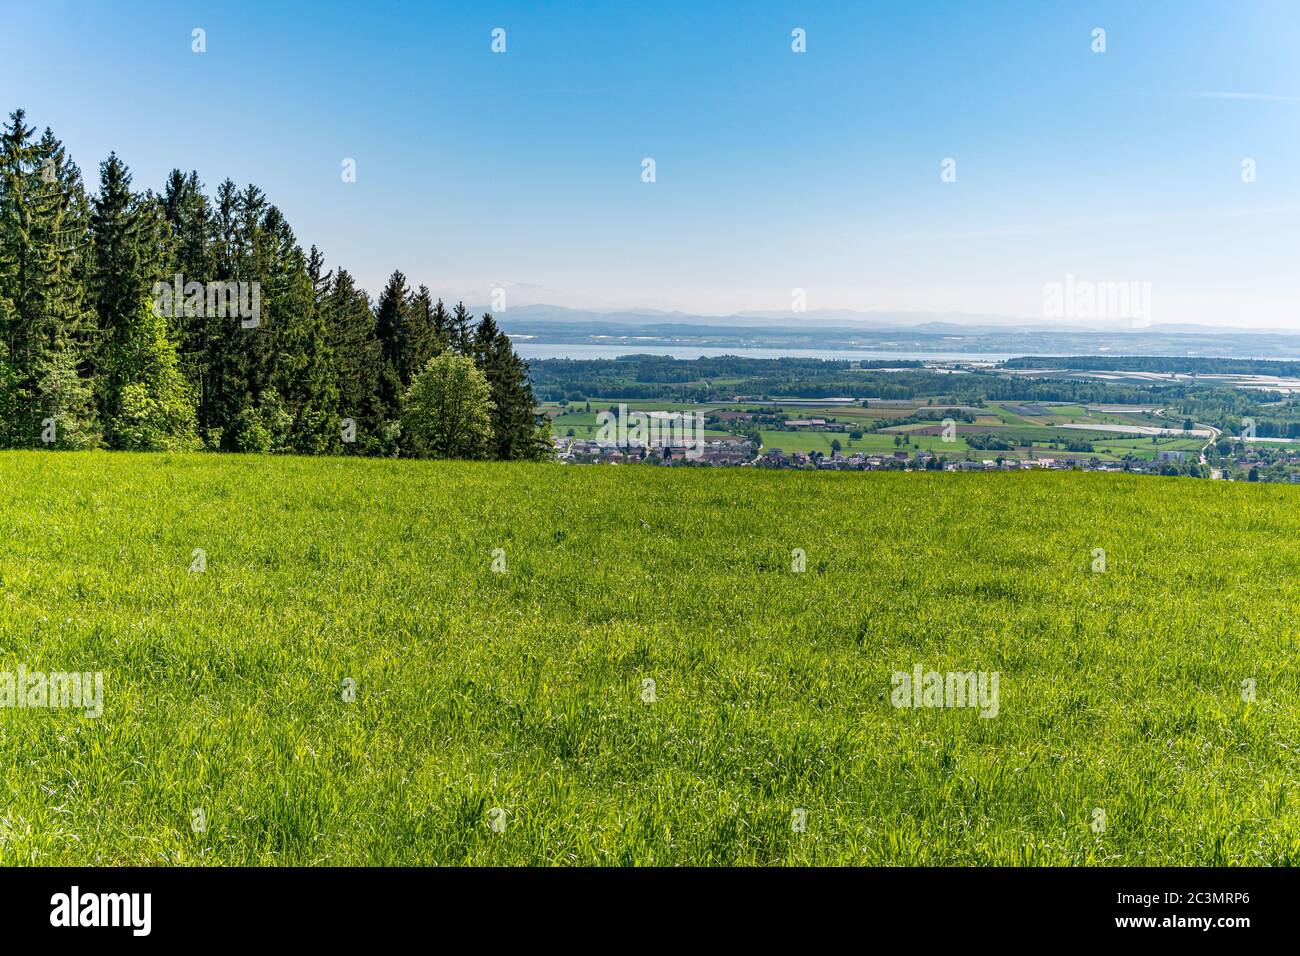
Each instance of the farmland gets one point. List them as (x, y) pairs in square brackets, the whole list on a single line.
[(1020, 431), (1198, 417), (644, 678)]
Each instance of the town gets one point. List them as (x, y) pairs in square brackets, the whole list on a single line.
[(740, 452), (1022, 415)]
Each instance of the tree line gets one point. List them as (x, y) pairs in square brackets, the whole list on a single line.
[(177, 321)]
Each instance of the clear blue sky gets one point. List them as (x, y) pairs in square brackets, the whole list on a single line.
[(775, 170)]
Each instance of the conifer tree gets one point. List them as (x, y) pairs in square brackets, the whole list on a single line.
[(354, 350), (461, 334), (87, 345), (129, 249), (189, 215), (424, 343), (392, 328), (154, 410), (515, 428), (303, 373), (118, 277), (442, 332), (45, 325)]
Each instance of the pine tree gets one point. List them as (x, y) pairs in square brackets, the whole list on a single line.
[(303, 374), (350, 329), (392, 328), (130, 248), (190, 217), (424, 338), (515, 429), (460, 336), (224, 392), (291, 374), (441, 332), (117, 277), (25, 331), (44, 322), (68, 241)]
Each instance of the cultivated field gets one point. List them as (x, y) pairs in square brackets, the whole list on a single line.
[(1047, 433), (521, 697)]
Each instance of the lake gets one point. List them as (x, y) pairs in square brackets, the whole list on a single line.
[(541, 350)]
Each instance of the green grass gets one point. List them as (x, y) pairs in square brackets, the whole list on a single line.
[(871, 443), (522, 690), (1144, 447), (585, 425)]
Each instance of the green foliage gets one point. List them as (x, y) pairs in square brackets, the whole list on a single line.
[(147, 421), (10, 407), (66, 404), (447, 412), (393, 332), (317, 370), (355, 354), (515, 428), (46, 329), (151, 402), (265, 427)]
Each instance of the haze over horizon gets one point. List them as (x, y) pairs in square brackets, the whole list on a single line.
[(549, 305), (775, 170)]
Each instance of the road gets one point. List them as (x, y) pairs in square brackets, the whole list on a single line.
[(1214, 436)]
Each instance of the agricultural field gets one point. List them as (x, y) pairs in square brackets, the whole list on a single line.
[(404, 662), (1050, 428), (871, 443), (585, 425), (1040, 430)]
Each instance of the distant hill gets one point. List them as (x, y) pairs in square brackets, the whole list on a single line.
[(646, 329)]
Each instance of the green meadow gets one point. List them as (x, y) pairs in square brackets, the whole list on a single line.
[(399, 662), (871, 443), (586, 425)]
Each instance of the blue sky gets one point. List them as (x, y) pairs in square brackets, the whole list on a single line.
[(775, 170)]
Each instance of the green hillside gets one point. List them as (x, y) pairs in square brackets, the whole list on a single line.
[(521, 698)]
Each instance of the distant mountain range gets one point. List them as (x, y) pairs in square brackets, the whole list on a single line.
[(644, 330), (818, 317)]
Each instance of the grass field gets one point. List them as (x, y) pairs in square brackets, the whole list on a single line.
[(585, 425), (1049, 441), (871, 443), (520, 697)]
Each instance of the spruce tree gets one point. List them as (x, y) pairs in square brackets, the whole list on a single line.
[(225, 389), (461, 333), (441, 331), (45, 325), (117, 277), (190, 218), (515, 429), (392, 328), (354, 351), (154, 409), (424, 339), (129, 251), (304, 374)]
